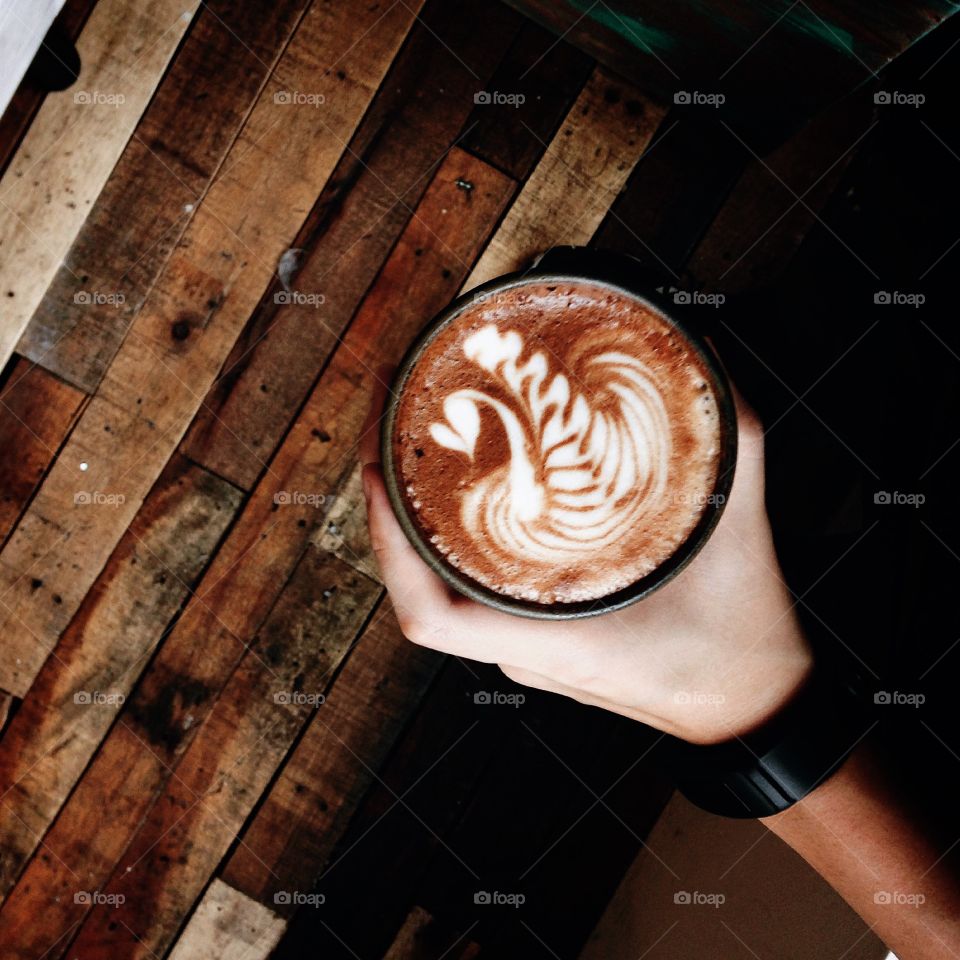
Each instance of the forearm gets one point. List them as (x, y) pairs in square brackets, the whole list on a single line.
[(857, 833)]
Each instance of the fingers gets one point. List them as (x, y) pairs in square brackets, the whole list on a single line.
[(370, 435), (420, 598)]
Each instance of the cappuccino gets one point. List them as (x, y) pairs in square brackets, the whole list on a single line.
[(557, 442)]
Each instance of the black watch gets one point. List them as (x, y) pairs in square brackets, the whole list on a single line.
[(770, 769)]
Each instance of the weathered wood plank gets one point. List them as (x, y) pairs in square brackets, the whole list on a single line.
[(538, 80), (584, 168), (36, 413), (180, 339), (308, 808), (194, 804), (149, 200), (77, 694), (73, 143), (381, 177), (229, 926), (231, 760)]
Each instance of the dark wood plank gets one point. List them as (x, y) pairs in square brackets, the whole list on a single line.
[(548, 76), (36, 413), (420, 110), (306, 812), (146, 205), (78, 693)]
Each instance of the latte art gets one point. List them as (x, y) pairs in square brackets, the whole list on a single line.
[(556, 443), (576, 477)]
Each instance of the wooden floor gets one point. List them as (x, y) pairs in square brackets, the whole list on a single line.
[(218, 743)]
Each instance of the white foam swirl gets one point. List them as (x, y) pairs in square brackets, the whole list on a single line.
[(577, 478)]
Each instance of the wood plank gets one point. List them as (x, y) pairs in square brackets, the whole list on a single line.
[(371, 876), (673, 196), (381, 177), (20, 112), (307, 810), (37, 412), (72, 145), (229, 926), (584, 168), (182, 336), (422, 938), (149, 200), (777, 200), (231, 760), (53, 736), (548, 76), (187, 798)]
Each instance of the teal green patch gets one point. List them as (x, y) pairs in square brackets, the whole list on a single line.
[(632, 29), (806, 21)]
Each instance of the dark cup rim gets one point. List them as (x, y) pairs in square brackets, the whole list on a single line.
[(666, 571)]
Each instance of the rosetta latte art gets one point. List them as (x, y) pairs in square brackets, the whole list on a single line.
[(578, 478)]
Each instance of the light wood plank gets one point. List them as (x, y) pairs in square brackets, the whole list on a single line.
[(228, 926), (73, 144)]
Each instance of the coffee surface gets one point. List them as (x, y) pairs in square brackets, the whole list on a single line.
[(557, 442)]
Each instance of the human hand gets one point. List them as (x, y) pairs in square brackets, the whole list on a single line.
[(707, 657)]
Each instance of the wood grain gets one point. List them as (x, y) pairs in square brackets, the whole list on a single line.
[(413, 121), (229, 926), (37, 412), (157, 184), (180, 339), (581, 173), (71, 147), (78, 693)]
